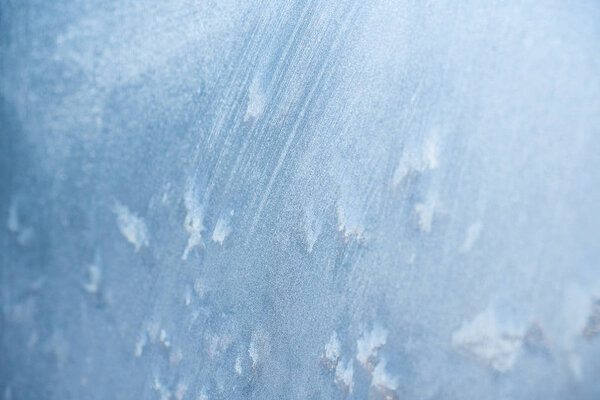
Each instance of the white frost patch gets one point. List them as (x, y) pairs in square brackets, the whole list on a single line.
[(140, 344), (200, 288), (259, 348), (256, 101), (221, 231), (238, 365), (131, 226), (194, 220), (313, 225), (95, 275), (332, 351), (487, 341), (175, 357), (472, 235), (164, 339), (344, 375), (180, 391), (369, 343), (203, 395), (13, 216), (349, 227), (382, 379), (425, 212), (411, 161), (219, 344)]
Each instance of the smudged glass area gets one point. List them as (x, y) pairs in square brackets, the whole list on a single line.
[(299, 199)]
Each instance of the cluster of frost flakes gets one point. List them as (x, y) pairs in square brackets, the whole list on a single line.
[(256, 100), (222, 230), (367, 353), (426, 211), (194, 220), (238, 365), (472, 235), (95, 276), (349, 227), (25, 234), (175, 357), (418, 161), (367, 346), (487, 341), (382, 379), (332, 351), (344, 371), (131, 226), (344, 375), (313, 225), (259, 348)]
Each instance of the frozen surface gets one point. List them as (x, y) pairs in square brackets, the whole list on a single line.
[(308, 200)]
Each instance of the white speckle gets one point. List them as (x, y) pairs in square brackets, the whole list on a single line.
[(200, 288), (313, 224), (180, 391), (472, 235), (238, 365), (188, 298), (8, 393), (382, 379), (13, 216), (140, 344), (219, 344), (431, 152), (575, 366), (368, 345), (175, 357), (256, 101), (485, 340), (415, 161), (425, 211), (349, 227), (95, 278), (332, 351), (412, 258), (203, 395), (344, 373), (221, 231), (153, 330), (131, 226), (163, 339), (194, 220), (259, 348)]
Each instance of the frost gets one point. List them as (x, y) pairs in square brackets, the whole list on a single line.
[(382, 379), (131, 226), (194, 220), (238, 365), (344, 375), (256, 101), (13, 216), (417, 162), (332, 351), (95, 275), (259, 348), (175, 357), (489, 342), (472, 235), (368, 345), (180, 391), (221, 231), (426, 212)]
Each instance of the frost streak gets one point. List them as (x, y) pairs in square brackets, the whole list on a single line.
[(131, 226)]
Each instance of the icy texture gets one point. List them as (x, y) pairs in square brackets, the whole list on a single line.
[(310, 200)]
